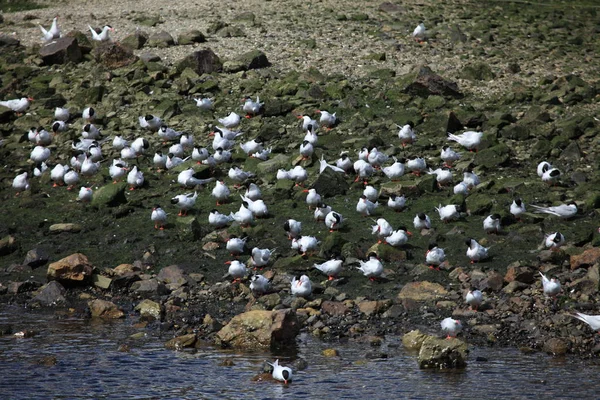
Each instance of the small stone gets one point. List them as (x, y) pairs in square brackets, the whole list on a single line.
[(181, 342), (422, 291), (330, 353), (8, 244), (135, 41), (588, 257), (149, 308), (101, 281), (105, 309), (556, 347), (201, 62), (36, 258), (67, 227)]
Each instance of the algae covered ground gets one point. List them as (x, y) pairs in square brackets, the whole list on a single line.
[(526, 74)]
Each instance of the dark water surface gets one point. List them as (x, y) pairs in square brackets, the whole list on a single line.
[(90, 366)]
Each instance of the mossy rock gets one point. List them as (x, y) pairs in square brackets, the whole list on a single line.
[(493, 157), (479, 203), (477, 72), (332, 245), (110, 195)]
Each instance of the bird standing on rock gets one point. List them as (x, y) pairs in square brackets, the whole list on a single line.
[(474, 298), (434, 256), (301, 287), (135, 178), (185, 202), (17, 105), (252, 108), (372, 268), (551, 287), (469, 140), (331, 268), (451, 327)]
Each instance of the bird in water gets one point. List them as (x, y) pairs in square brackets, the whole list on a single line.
[(281, 373)]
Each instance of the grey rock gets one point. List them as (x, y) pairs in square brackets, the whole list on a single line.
[(149, 57), (254, 59), (61, 51), (135, 41), (424, 82), (172, 275), (191, 37), (36, 258), (9, 41), (331, 183), (201, 62), (150, 287), (110, 195), (51, 294), (161, 39)]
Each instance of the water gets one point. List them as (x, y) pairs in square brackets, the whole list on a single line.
[(90, 366)]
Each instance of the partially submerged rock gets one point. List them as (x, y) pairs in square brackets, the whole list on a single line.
[(260, 328), (442, 353)]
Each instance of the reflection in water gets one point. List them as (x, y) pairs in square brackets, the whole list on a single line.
[(90, 366)]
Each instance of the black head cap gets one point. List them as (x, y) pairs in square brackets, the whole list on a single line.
[(432, 245), (555, 172), (468, 241), (87, 127), (55, 126), (496, 216), (422, 216), (372, 254), (149, 117)]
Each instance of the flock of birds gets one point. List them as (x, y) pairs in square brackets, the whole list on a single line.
[(89, 149)]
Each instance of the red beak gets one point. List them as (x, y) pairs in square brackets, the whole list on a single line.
[(227, 262)]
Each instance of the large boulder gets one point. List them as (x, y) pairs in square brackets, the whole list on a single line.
[(201, 62), (161, 39), (75, 268), (260, 328), (61, 51), (135, 41), (442, 353)]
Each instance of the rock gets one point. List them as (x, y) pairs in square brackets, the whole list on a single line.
[(149, 308), (442, 353), (36, 258), (181, 342), (556, 346), (201, 62), (150, 287), (253, 60), (191, 37), (123, 269), (588, 257), (101, 281), (457, 35), (72, 269), (330, 353), (260, 328), (514, 286), (231, 31), (332, 245), (110, 195), (477, 72), (374, 307), (135, 41), (9, 41), (387, 253), (492, 157), (105, 309), (68, 227), (390, 8), (479, 203), (150, 20), (161, 39), (8, 244), (422, 291), (113, 55), (331, 183), (61, 51), (520, 273), (148, 57), (51, 294), (173, 276), (273, 164), (413, 340), (424, 82), (82, 40), (334, 308), (22, 287)]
